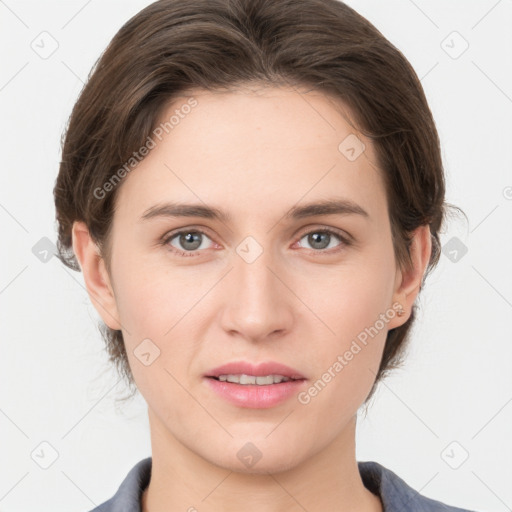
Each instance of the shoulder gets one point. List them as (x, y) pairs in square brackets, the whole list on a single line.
[(128, 496), (395, 494)]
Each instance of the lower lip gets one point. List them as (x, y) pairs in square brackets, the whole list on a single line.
[(253, 395)]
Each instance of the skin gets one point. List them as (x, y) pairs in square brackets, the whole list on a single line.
[(255, 153)]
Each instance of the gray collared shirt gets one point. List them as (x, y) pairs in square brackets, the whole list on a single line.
[(394, 493)]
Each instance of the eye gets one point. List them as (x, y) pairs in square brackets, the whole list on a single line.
[(188, 242), (321, 239)]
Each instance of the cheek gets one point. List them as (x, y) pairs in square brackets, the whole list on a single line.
[(158, 310), (347, 362), (353, 298), (154, 313), (357, 309), (149, 298)]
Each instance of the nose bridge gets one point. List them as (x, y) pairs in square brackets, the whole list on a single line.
[(258, 304)]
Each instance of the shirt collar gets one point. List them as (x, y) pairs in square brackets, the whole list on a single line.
[(395, 494)]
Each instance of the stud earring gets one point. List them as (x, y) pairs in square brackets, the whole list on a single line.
[(400, 312)]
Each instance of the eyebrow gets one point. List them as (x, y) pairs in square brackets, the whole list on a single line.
[(325, 207)]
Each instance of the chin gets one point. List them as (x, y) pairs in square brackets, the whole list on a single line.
[(276, 464), (248, 457)]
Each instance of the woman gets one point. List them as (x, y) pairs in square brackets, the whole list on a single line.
[(254, 192)]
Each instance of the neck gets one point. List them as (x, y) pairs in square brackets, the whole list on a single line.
[(183, 480)]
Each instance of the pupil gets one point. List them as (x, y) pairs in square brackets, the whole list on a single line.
[(314, 240), (193, 238)]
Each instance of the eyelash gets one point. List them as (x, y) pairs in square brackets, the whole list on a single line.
[(166, 241)]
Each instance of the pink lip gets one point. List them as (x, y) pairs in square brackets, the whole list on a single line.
[(253, 395), (262, 369)]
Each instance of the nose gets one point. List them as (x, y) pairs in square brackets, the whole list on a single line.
[(258, 305)]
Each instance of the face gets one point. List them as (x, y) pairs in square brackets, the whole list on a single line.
[(272, 280)]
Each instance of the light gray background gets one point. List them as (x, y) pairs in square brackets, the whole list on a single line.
[(57, 387)]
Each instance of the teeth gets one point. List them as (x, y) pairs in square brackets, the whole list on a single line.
[(252, 379)]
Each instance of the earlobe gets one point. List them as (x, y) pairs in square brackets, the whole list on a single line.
[(97, 281), (409, 281)]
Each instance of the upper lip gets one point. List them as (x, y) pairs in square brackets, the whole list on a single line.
[(261, 369)]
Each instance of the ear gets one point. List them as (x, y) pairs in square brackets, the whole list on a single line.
[(97, 281), (408, 282)]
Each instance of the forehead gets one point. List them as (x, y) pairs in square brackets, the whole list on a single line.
[(255, 147), (258, 115)]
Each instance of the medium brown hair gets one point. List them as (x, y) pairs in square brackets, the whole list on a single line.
[(173, 46)]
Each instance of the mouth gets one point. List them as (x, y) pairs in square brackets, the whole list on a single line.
[(255, 386), (258, 380), (245, 371)]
